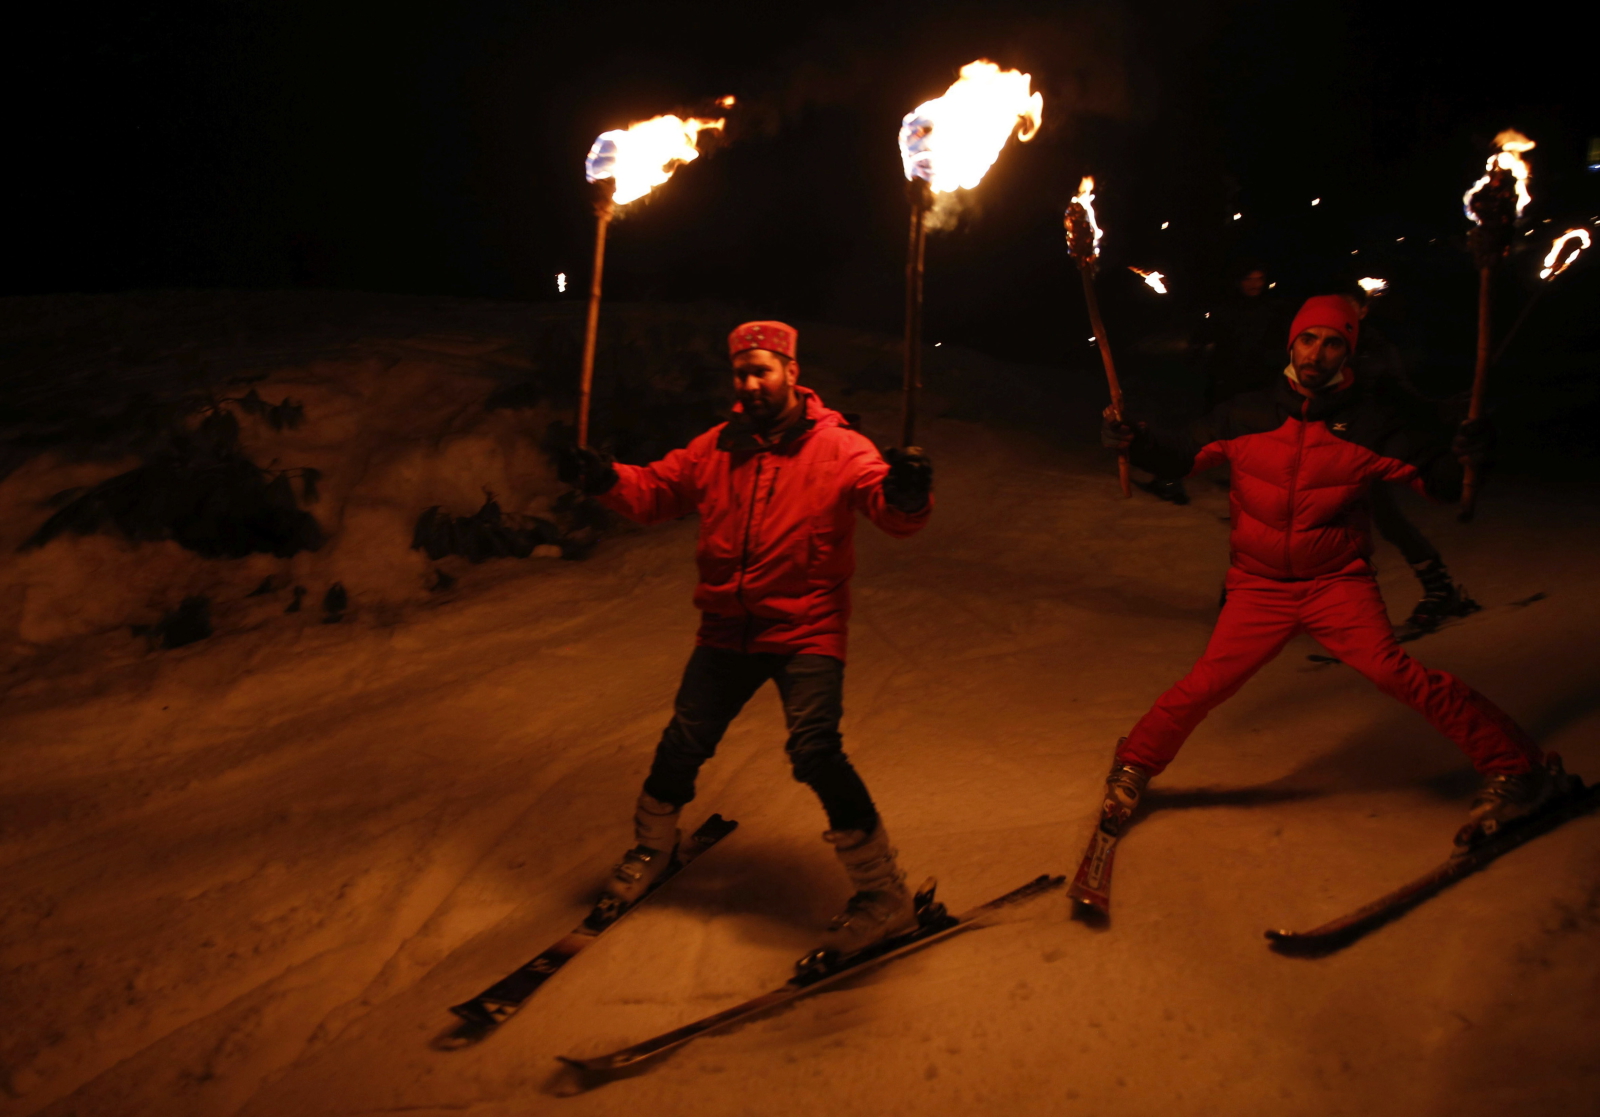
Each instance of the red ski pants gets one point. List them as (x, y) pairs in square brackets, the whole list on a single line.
[(1346, 615)]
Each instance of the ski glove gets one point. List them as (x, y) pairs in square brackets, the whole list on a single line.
[(910, 478), (1474, 442), (1118, 434), (586, 469)]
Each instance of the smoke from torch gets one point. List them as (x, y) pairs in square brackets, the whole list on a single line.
[(1083, 241), (624, 165), (949, 144)]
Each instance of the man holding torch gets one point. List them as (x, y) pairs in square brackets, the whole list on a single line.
[(1303, 455), (777, 489)]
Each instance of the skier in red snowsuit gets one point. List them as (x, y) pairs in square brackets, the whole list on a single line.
[(777, 489), (1302, 455)]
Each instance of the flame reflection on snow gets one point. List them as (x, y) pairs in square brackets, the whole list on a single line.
[(951, 141), (642, 156)]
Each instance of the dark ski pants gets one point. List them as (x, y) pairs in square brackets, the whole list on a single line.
[(716, 685), (1393, 526), (1346, 615)]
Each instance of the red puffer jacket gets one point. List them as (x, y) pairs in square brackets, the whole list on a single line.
[(777, 526), (1301, 467)]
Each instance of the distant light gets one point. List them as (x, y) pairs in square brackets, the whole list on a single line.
[(1546, 221), (561, 281), (1270, 286), (1165, 224), (1208, 314), (1316, 201), (937, 344), (1372, 285), (1355, 252), (1237, 216), (1399, 240)]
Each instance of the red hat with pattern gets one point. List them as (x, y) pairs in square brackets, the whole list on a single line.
[(1333, 311), (776, 336)]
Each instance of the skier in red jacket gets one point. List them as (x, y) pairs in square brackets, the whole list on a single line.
[(1302, 455), (777, 489)]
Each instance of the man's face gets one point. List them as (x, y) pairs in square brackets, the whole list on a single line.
[(763, 383), (1318, 353), (1252, 284)]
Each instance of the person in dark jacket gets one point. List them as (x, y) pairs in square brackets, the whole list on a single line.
[(777, 489), (1302, 456), (1377, 362)]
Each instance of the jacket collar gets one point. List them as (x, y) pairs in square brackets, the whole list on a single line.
[(1315, 406), (740, 436)]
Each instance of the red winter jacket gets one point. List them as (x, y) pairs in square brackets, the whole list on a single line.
[(1301, 467), (777, 526)]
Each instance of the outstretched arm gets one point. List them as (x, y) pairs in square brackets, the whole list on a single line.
[(663, 490), (897, 494), (1170, 452)]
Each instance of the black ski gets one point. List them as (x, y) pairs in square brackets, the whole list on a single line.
[(814, 972), (1406, 633), (495, 1005), (1346, 929)]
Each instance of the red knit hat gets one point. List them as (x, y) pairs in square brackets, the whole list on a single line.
[(776, 336), (1333, 311)]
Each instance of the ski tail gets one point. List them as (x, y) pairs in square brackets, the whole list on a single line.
[(499, 1002)]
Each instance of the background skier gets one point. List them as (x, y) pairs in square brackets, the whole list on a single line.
[(777, 489), (1302, 457)]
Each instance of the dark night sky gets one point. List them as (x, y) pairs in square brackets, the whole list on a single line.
[(439, 149)]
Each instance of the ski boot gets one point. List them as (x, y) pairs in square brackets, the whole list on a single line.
[(655, 832), (1504, 800), (882, 906), (1169, 489), (1124, 786), (1442, 598)]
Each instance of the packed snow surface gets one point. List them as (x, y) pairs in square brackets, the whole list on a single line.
[(249, 874)]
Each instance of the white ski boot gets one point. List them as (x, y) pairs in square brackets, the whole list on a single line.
[(655, 832), (882, 905), (1505, 799), (1124, 786)]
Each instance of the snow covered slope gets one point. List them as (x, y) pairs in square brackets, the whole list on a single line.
[(247, 875)]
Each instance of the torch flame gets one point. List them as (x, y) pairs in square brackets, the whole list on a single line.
[(1373, 286), (1152, 279), (952, 141), (1085, 198), (1560, 258), (1509, 158), (726, 102), (642, 156)]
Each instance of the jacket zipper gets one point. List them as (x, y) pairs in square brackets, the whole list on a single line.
[(1294, 485), (744, 553)]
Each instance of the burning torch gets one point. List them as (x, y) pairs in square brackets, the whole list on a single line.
[(1564, 250), (949, 144), (624, 165), (1493, 204), (1083, 241)]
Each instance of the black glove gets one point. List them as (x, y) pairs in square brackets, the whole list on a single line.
[(586, 469), (910, 478), (1117, 434), (1474, 442)]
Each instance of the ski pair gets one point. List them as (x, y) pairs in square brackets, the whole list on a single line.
[(1091, 885), (813, 972), (484, 1013)]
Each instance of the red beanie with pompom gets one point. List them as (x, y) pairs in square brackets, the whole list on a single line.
[(1333, 311)]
